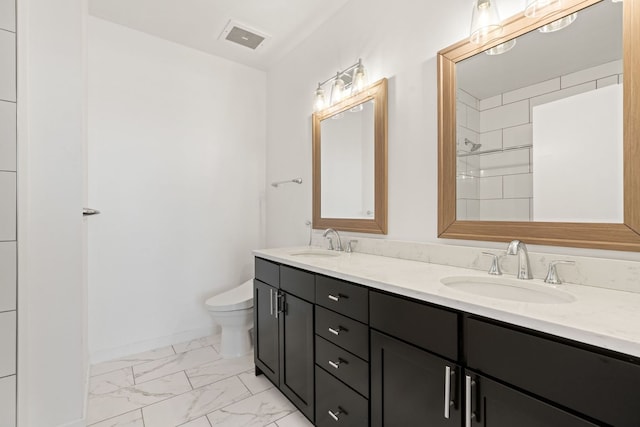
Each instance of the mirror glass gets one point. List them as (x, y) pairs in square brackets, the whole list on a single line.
[(348, 163), (539, 128)]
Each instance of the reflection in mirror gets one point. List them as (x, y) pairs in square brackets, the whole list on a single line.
[(539, 131), (348, 163)]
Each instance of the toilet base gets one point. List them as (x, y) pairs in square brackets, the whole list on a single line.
[(236, 342)]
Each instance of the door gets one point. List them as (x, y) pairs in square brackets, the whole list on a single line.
[(296, 353), (496, 405), (266, 330), (411, 387)]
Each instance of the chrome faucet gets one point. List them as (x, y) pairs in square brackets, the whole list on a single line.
[(516, 247), (339, 243)]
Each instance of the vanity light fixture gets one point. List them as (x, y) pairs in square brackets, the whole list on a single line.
[(485, 21), (558, 24), (537, 8), (350, 81), (501, 48)]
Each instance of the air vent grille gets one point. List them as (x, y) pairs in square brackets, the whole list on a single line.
[(243, 35)]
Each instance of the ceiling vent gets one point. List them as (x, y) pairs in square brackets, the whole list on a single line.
[(243, 35)]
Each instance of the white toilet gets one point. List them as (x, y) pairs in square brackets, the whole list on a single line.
[(233, 311)]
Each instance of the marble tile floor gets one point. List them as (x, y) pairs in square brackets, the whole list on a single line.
[(187, 385)]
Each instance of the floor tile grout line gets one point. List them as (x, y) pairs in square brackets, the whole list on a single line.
[(188, 379), (115, 416)]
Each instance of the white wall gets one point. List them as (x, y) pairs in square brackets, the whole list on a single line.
[(398, 40), (176, 165), (51, 306)]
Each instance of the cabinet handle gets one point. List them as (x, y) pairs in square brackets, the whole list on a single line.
[(448, 403), (271, 302), (336, 331), (469, 383), (337, 364), (334, 415), (278, 296), (334, 298)]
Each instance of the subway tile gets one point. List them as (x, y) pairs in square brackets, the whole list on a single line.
[(473, 210), (8, 15), (461, 114), (195, 404), (461, 209), (473, 119), (7, 136), (607, 81), (592, 74), (7, 206), (490, 188), (564, 93), (531, 91), (509, 115), (518, 186), (467, 99), (123, 400), (491, 140), (8, 340), (7, 276), (255, 411), (620, 78), (7, 66), (518, 136), (8, 401), (465, 133), (505, 163), (493, 102), (135, 359), (467, 188), (169, 365), (504, 210)]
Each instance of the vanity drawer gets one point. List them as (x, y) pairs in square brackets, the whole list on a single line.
[(347, 333), (351, 409), (268, 272), (343, 297), (595, 384), (350, 369), (298, 282), (432, 328)]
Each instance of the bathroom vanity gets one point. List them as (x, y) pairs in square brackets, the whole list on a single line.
[(359, 340)]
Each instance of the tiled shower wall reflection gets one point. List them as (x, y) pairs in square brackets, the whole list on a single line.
[(8, 264), (495, 183)]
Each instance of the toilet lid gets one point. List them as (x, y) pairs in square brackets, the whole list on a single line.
[(238, 298)]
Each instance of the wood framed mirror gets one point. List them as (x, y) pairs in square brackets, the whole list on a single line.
[(618, 231), (350, 163)]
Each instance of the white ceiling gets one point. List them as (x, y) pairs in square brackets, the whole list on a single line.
[(199, 23)]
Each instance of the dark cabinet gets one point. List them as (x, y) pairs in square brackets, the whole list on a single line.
[(494, 405), (284, 332), (412, 387)]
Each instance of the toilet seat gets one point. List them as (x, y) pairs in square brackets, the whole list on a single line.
[(238, 298)]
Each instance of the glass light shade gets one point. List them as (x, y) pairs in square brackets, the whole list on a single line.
[(485, 21), (536, 8), (501, 48), (337, 90), (319, 101), (558, 24), (359, 81)]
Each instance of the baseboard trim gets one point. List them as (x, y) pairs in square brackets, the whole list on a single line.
[(146, 345)]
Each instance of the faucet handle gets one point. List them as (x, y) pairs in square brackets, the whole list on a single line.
[(330, 239), (495, 264), (350, 244), (552, 275)]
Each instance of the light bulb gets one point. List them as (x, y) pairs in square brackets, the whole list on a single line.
[(337, 90), (319, 101), (359, 81), (485, 21)]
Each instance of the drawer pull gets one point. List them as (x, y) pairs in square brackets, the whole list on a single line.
[(334, 415), (271, 302), (337, 364), (337, 330), (469, 383), (448, 403), (334, 298)]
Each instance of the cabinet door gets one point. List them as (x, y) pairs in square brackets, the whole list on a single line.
[(496, 405), (266, 330), (409, 386), (296, 353)]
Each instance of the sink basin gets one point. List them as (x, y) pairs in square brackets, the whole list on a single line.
[(316, 252), (508, 289)]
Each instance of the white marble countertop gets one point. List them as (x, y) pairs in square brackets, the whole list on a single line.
[(605, 318)]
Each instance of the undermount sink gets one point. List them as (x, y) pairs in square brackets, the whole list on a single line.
[(508, 289), (315, 252)]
